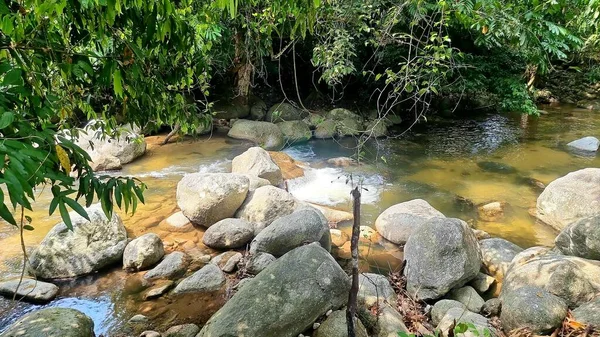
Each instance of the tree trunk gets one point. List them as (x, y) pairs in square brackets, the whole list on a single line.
[(171, 134), (351, 310), (243, 69)]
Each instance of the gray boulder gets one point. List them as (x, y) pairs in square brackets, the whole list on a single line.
[(256, 182), (482, 282), (389, 322), (230, 110), (295, 131), (258, 262), (335, 325), (581, 238), (90, 246), (458, 315), (29, 290), (256, 161), (228, 234), (441, 307), (326, 129), (266, 204), (570, 198), (52, 322), (291, 231), (398, 222), (264, 134), (349, 127), (528, 255), (258, 110), (588, 313), (467, 296), (285, 298), (339, 114), (440, 255), (588, 144), (374, 288), (377, 129), (285, 112), (143, 252), (206, 198), (492, 307), (534, 308), (497, 254), (173, 266), (185, 330), (227, 261), (208, 279)]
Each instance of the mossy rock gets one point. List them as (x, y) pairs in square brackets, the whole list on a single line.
[(284, 112), (295, 131), (62, 322), (230, 110), (326, 129)]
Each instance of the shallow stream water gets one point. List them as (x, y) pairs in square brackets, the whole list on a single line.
[(453, 164)]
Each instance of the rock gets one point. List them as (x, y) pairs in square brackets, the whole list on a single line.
[(285, 112), (575, 280), (208, 279), (441, 307), (338, 238), (459, 315), (286, 298), (588, 313), (291, 231), (467, 296), (377, 129), (528, 255), (138, 319), (227, 261), (497, 255), (374, 288), (342, 161), (339, 114), (29, 290), (494, 167), (256, 161), (332, 215), (90, 246), (258, 110), (397, 223), (570, 198), (109, 152), (349, 127), (173, 266), (492, 212), (150, 333), (264, 134), (589, 144), (265, 205), (441, 254), (256, 182), (52, 322), (482, 282), (481, 235), (290, 168), (206, 198), (389, 322), (228, 234), (335, 325), (177, 222), (258, 262), (368, 235), (326, 129), (230, 110), (143, 252), (533, 308), (158, 290), (295, 131), (581, 238), (185, 330), (313, 120), (492, 307)]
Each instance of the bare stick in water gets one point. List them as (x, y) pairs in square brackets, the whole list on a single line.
[(351, 310)]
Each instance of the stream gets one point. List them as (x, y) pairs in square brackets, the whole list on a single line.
[(453, 164)]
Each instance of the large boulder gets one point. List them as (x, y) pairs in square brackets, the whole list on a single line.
[(377, 129), (467, 296), (588, 144), (208, 279), (52, 322), (228, 234), (264, 134), (285, 112), (374, 288), (497, 255), (588, 313), (256, 161), (173, 266), (295, 131), (575, 280), (230, 110), (581, 238), (570, 198), (340, 114), (266, 204), (28, 290), (326, 129), (206, 198), (258, 110), (335, 325), (440, 255), (91, 245), (398, 222), (143, 252), (389, 321), (291, 231), (110, 153), (285, 298), (534, 308), (349, 127)]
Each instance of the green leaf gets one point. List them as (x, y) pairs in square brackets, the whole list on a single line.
[(13, 77), (117, 83), (7, 215), (6, 119), (64, 214), (77, 207), (28, 228)]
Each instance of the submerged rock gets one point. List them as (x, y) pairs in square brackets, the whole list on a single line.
[(206, 198), (440, 255), (208, 279), (285, 298), (570, 198), (264, 134), (335, 325), (29, 290), (581, 238), (143, 252), (177, 222), (589, 144), (285, 112), (266, 204), (398, 222), (52, 322), (497, 255), (228, 234), (495, 167), (493, 211), (90, 246), (256, 161), (173, 266), (534, 308)]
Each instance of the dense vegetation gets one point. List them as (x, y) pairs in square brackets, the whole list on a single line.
[(161, 63)]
